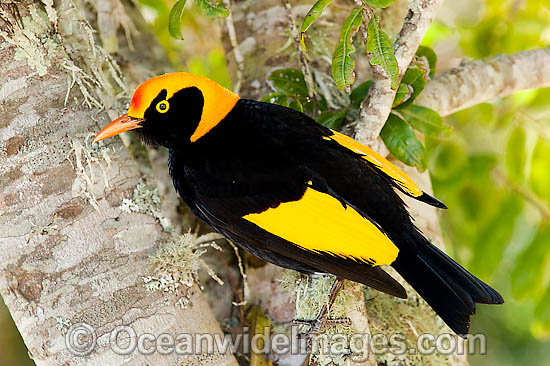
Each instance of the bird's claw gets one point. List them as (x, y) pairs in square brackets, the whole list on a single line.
[(320, 324)]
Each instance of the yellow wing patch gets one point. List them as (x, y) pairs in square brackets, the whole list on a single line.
[(319, 222), (380, 162), (218, 101)]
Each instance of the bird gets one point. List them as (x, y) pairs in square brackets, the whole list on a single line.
[(297, 194)]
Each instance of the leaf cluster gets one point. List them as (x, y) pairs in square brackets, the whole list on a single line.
[(206, 7)]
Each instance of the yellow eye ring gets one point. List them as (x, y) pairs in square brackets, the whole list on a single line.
[(163, 106)]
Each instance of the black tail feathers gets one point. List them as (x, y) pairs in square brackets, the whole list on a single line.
[(430, 200), (445, 285)]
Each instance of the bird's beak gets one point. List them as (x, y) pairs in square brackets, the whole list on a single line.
[(121, 124)]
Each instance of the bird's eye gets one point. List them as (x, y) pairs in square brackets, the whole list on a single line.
[(162, 106)]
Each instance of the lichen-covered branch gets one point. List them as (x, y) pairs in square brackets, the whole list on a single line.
[(304, 64), (377, 105), (233, 41), (479, 81)]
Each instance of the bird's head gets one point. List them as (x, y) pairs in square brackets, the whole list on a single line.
[(173, 109)]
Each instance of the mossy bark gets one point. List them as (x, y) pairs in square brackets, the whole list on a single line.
[(70, 254)]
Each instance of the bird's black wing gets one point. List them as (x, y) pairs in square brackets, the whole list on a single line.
[(286, 126), (354, 172)]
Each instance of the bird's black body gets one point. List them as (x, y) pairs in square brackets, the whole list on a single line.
[(262, 154), (295, 193)]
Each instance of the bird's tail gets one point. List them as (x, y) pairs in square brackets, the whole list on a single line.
[(446, 286)]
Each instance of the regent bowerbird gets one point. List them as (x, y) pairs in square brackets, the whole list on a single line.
[(297, 194)]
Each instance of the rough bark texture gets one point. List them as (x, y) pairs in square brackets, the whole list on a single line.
[(479, 81), (70, 254)]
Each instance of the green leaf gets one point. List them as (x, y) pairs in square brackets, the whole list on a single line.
[(312, 15), (290, 82), (400, 139), (448, 161), (542, 314), (425, 120), (359, 93), (403, 94), (430, 55), (342, 63), (381, 49), (276, 98), (211, 10), (480, 167), (493, 238), (332, 120), (417, 79), (296, 105), (528, 273), (158, 6), (540, 174), (174, 19), (379, 3), (516, 155)]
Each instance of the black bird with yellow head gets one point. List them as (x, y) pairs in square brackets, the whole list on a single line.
[(297, 194), (172, 108)]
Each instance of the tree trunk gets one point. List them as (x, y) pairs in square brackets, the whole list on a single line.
[(71, 253)]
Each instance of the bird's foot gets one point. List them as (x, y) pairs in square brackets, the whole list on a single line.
[(320, 324)]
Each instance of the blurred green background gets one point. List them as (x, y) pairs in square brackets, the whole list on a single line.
[(493, 171), (494, 174)]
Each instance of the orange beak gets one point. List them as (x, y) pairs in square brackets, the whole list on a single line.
[(121, 124)]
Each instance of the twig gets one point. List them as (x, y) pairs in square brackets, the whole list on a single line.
[(480, 81), (377, 105), (237, 294), (304, 64), (243, 275), (239, 59)]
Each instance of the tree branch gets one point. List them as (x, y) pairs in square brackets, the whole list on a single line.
[(304, 65), (232, 34), (479, 81), (377, 105)]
